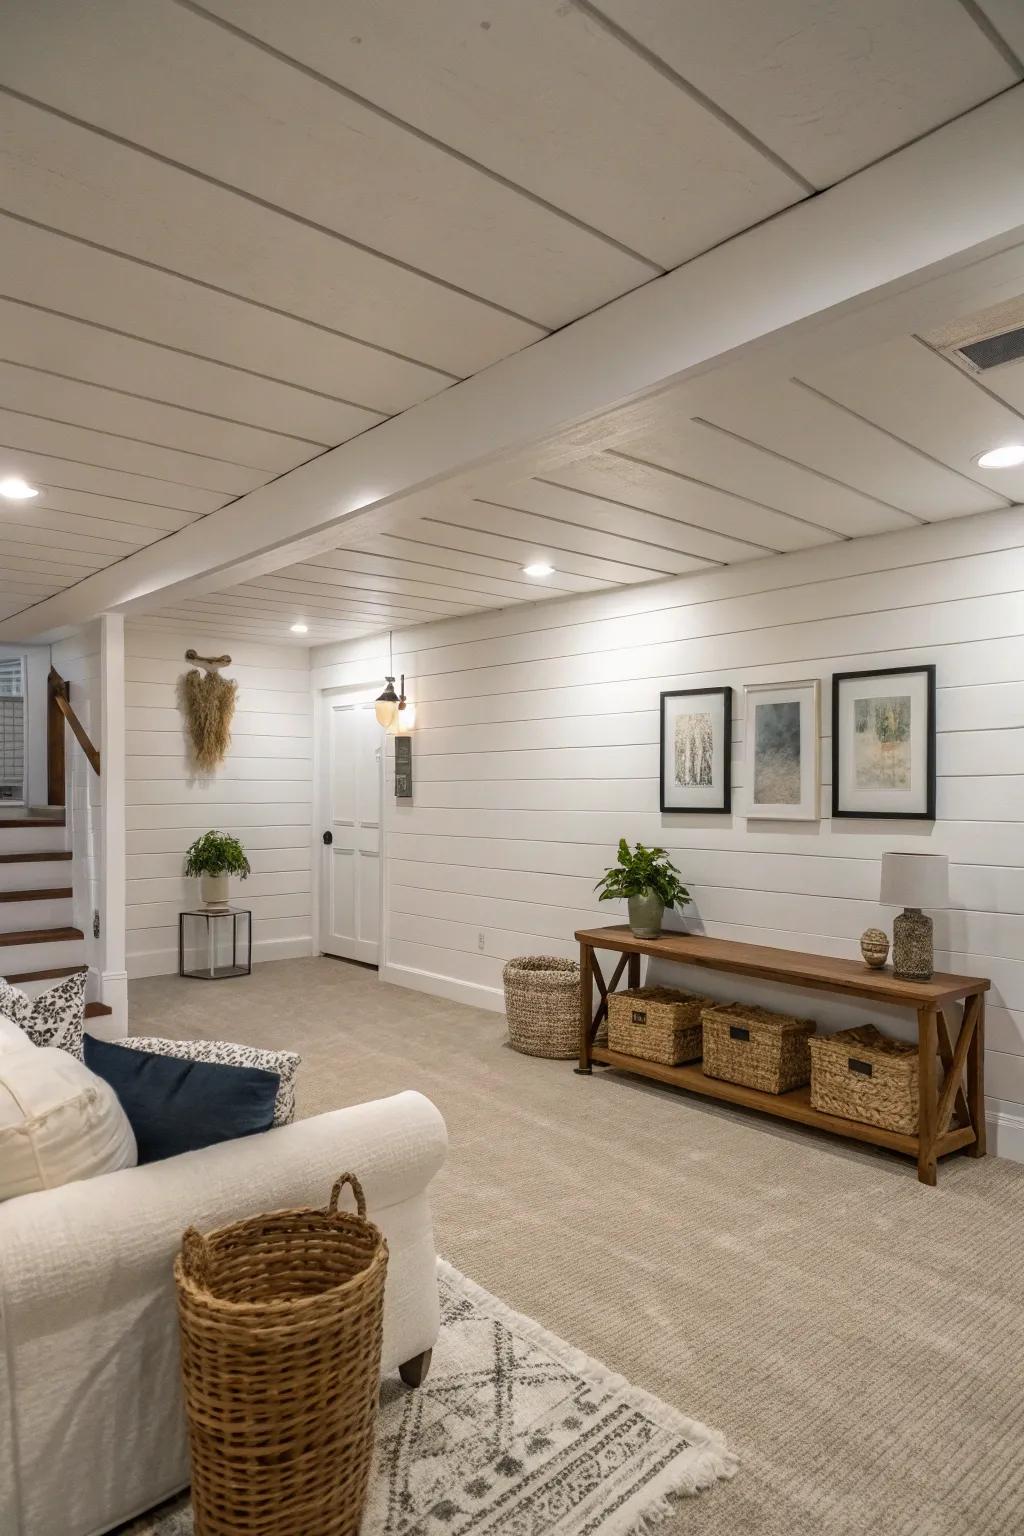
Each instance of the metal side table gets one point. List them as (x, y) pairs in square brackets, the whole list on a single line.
[(223, 935)]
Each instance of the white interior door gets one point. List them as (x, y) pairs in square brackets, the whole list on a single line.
[(352, 757)]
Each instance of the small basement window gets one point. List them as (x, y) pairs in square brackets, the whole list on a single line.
[(12, 730)]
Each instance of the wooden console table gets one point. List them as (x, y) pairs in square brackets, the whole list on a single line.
[(951, 1116)]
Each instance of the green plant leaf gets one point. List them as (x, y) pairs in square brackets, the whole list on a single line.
[(217, 853), (642, 869)]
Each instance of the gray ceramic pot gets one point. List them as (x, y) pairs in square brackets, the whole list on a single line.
[(645, 914)]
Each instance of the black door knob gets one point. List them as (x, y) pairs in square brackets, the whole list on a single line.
[(328, 838)]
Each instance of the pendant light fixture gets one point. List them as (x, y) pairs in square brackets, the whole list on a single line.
[(389, 705)]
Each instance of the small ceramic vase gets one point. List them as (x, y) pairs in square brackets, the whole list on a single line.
[(645, 914), (874, 946)]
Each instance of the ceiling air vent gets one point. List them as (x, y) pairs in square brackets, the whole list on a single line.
[(988, 339), (1007, 347)]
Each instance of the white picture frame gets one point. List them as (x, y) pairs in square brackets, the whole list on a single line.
[(782, 751)]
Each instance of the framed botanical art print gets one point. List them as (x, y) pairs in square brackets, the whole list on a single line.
[(883, 743), (781, 730), (696, 750)]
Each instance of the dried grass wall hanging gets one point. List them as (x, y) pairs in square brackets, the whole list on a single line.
[(208, 701)]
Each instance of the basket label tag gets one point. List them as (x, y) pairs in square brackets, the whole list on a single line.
[(736, 1032), (639, 1016), (864, 1067)]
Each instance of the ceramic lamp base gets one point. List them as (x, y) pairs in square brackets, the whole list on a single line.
[(913, 946)]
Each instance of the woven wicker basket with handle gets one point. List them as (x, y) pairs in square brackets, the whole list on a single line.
[(281, 1320), (862, 1074), (753, 1046), (657, 1024)]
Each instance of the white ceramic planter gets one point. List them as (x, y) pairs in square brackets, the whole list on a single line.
[(214, 891)]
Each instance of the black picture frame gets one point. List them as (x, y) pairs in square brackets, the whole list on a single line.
[(838, 678), (700, 810)]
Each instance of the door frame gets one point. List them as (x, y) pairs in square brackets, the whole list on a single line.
[(350, 693)]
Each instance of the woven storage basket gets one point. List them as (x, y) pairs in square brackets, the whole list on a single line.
[(657, 1024), (862, 1074), (280, 1343), (542, 1005), (749, 1045)]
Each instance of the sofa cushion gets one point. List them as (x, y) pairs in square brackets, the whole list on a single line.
[(175, 1105), (59, 1122), (227, 1054), (13, 1038), (55, 1017)]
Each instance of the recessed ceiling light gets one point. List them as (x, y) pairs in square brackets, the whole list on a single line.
[(539, 568), (300, 629), (1006, 457), (17, 489)]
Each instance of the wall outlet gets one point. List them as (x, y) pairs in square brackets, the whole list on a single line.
[(481, 941)]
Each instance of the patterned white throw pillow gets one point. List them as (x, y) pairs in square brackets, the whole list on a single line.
[(56, 1017), (223, 1053)]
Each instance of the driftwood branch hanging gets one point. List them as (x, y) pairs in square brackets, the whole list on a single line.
[(208, 703)]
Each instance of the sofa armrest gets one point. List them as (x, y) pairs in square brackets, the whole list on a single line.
[(56, 1243), (89, 1374)]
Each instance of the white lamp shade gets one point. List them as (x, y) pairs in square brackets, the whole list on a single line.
[(915, 880)]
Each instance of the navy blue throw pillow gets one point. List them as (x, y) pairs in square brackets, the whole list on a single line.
[(178, 1106)]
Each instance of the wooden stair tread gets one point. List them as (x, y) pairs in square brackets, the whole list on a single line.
[(54, 893), (56, 974), (40, 936), (31, 821), (97, 1010), (33, 858)]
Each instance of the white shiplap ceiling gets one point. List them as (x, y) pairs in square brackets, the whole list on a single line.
[(736, 467), (235, 235)]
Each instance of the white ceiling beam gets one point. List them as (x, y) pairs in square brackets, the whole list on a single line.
[(947, 199)]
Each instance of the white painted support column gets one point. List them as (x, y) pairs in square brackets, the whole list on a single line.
[(112, 910)]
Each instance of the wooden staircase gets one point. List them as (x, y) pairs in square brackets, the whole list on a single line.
[(38, 943)]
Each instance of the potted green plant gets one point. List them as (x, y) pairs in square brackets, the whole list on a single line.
[(214, 857), (648, 881)]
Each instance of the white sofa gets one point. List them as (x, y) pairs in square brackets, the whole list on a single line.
[(92, 1428)]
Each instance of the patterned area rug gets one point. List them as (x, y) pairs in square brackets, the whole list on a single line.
[(515, 1433)]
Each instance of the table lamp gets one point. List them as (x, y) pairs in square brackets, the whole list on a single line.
[(914, 881)]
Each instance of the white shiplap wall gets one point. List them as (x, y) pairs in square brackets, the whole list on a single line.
[(536, 747), (263, 793)]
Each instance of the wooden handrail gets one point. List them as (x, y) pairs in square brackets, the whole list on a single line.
[(58, 691)]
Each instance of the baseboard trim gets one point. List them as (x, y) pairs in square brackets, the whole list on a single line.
[(164, 962), (469, 992), (113, 991), (1006, 1134)]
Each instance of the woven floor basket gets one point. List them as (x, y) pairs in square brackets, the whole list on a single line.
[(862, 1074), (280, 1341), (657, 1024), (750, 1045), (542, 1005)]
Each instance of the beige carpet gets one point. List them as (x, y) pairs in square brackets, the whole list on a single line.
[(858, 1337)]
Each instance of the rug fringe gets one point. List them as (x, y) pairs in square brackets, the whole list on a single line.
[(709, 1459)]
